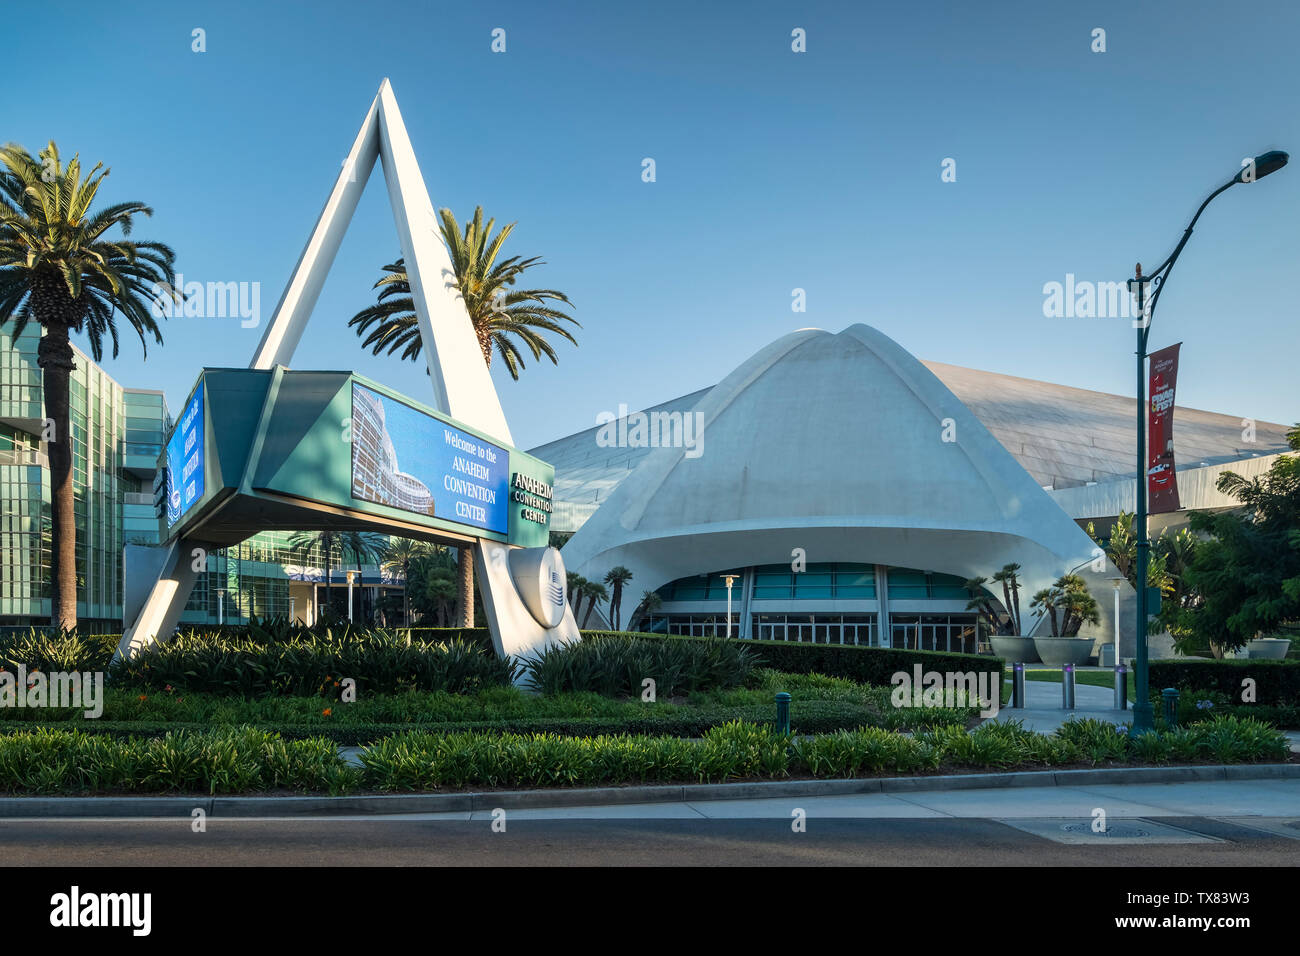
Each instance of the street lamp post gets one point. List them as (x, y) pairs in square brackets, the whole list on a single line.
[(730, 579), (1257, 168)]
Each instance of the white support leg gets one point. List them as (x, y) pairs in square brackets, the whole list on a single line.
[(161, 611)]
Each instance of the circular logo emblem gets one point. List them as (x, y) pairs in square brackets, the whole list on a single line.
[(539, 577)]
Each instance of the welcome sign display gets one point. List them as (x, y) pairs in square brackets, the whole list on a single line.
[(185, 460), (407, 459)]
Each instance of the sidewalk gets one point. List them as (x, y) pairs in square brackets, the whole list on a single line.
[(1043, 712), (1270, 800)]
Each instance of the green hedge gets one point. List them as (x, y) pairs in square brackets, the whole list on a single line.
[(245, 759), (808, 717), (379, 662), (865, 665), (1277, 683), (229, 760)]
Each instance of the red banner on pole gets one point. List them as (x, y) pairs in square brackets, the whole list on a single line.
[(1162, 482)]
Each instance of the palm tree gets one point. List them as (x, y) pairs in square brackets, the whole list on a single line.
[(57, 268), (1069, 594), (398, 557), (366, 546), (650, 602), (595, 592), (499, 314), (1044, 600), (1010, 581), (306, 545), (574, 583), (432, 584), (1078, 606), (981, 603), (616, 578)]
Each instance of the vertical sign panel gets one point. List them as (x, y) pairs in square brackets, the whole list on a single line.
[(1162, 482), (185, 460)]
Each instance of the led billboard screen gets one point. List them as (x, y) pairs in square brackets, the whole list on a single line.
[(407, 459)]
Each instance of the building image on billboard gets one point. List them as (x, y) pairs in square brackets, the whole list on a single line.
[(375, 473), (406, 459)]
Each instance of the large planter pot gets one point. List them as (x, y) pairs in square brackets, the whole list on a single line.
[(1268, 648), (1059, 651), (1015, 650)]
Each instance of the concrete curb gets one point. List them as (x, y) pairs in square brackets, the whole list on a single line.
[(17, 808)]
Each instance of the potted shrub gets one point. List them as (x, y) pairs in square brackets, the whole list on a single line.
[(1068, 606), (1011, 646), (1268, 648)]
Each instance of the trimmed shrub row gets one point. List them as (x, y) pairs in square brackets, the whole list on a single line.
[(617, 665), (379, 662), (231, 760), (1277, 683), (864, 665), (244, 759)]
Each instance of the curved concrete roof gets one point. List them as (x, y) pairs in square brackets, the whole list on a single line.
[(834, 443), (1064, 437)]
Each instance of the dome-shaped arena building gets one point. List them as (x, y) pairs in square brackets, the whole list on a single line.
[(848, 493)]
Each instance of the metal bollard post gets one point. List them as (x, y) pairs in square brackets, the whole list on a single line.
[(1121, 687), (1170, 696), (1067, 687), (1018, 685), (783, 713)]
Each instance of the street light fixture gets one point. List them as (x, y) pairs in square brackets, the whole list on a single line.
[(1257, 168), (730, 579)]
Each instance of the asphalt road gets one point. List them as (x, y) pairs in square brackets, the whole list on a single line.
[(617, 842)]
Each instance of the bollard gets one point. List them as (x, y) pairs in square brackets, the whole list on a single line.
[(1067, 687), (1018, 685), (1121, 687), (1170, 696), (783, 713)]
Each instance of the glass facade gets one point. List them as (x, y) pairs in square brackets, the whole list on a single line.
[(117, 438), (828, 603), (97, 431)]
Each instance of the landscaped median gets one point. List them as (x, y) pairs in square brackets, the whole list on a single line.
[(245, 760), (266, 708)]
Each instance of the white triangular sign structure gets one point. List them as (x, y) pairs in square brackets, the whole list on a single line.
[(462, 387)]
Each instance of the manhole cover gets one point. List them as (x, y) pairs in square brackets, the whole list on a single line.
[(1121, 829), (1078, 831)]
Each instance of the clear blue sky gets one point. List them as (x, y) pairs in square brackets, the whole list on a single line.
[(775, 170)]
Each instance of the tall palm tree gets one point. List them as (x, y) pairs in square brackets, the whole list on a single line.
[(649, 603), (398, 557), (1044, 601), (1078, 606), (58, 268), (595, 592), (574, 584), (307, 545), (980, 602), (616, 577), (499, 314), (1008, 577)]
